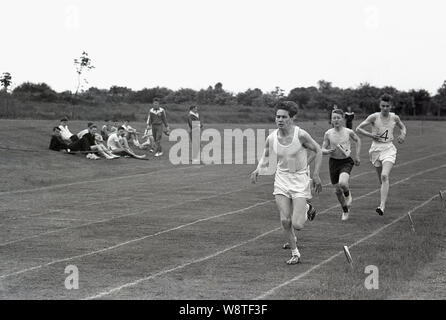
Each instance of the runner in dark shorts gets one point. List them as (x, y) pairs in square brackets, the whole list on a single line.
[(337, 166), (337, 145)]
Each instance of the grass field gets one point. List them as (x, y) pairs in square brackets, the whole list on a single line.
[(151, 230)]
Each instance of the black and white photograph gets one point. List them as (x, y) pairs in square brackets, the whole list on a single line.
[(223, 155)]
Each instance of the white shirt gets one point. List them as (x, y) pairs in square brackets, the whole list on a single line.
[(384, 127), (81, 133), (340, 141), (128, 128), (114, 141), (65, 132), (291, 158)]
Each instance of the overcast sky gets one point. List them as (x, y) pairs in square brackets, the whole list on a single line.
[(241, 43)]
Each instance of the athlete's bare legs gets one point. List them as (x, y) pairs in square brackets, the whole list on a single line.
[(378, 171), (285, 206), (385, 174)]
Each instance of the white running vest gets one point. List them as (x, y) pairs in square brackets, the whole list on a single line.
[(384, 128), (291, 158)]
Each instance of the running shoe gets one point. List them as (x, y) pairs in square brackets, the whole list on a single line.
[(349, 200), (311, 212), (380, 211), (295, 259)]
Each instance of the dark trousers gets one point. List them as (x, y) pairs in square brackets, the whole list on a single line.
[(74, 138), (157, 131), (79, 145)]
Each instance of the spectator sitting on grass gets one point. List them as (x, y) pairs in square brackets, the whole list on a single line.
[(66, 134), (118, 145), (150, 142), (102, 149), (107, 130), (82, 145), (57, 143), (81, 133), (86, 144), (130, 134), (115, 125)]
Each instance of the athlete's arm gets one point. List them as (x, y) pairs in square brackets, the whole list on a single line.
[(309, 143), (262, 163), (325, 144), (370, 120), (149, 120), (357, 142), (402, 127), (120, 143), (311, 158), (164, 119)]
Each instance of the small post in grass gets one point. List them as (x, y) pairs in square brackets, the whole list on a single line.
[(412, 225), (442, 199), (348, 256)]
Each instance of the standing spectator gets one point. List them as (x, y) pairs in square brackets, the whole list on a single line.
[(335, 107), (65, 133), (191, 117), (155, 121), (349, 116)]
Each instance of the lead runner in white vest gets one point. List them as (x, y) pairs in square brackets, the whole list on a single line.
[(287, 147), (382, 151)]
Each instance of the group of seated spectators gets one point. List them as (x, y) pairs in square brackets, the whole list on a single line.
[(111, 142)]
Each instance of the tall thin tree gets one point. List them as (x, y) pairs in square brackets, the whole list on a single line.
[(83, 65)]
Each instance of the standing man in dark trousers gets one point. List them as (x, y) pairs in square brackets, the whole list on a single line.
[(193, 116), (155, 121), (335, 107), (349, 116)]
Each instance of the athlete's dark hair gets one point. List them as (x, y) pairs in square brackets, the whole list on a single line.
[(56, 129), (386, 97), (63, 119), (191, 107), (289, 106), (156, 99), (121, 128), (338, 111)]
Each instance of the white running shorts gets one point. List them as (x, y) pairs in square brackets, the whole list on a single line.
[(292, 185), (379, 155)]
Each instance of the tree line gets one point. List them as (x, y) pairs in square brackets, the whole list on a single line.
[(363, 98)]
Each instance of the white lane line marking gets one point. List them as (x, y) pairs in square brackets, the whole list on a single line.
[(104, 293), (120, 216), (193, 200), (163, 272), (62, 185), (133, 240), (300, 276)]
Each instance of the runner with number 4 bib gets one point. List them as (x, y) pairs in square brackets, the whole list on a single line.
[(382, 151)]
